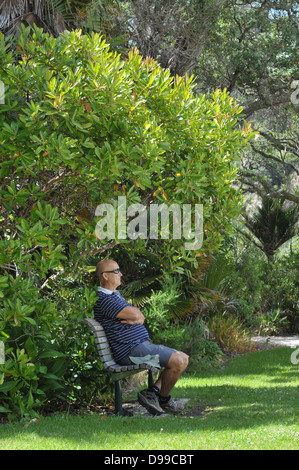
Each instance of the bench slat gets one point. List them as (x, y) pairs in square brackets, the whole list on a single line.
[(102, 344), (104, 347), (102, 340), (106, 357), (112, 363), (100, 334)]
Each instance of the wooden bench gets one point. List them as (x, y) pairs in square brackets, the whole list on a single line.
[(116, 371)]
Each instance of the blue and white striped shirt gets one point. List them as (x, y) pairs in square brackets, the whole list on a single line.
[(121, 336)]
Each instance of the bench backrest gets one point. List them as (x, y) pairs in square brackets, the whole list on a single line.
[(101, 343)]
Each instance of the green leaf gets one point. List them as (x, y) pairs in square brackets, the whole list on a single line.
[(4, 410), (31, 348), (7, 386), (51, 353), (30, 400)]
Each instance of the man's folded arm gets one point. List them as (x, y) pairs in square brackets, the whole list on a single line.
[(131, 316)]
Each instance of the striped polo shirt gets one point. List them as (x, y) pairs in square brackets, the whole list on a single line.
[(122, 337)]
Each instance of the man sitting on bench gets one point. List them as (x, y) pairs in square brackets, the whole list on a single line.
[(123, 325)]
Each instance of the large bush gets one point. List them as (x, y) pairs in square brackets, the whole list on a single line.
[(80, 127)]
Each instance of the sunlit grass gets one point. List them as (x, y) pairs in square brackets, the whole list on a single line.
[(252, 403)]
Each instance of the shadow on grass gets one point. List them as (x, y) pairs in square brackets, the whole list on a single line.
[(256, 390)]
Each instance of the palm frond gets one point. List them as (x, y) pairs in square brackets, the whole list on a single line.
[(138, 292), (139, 284), (11, 9), (46, 14), (181, 309), (205, 290), (54, 7), (138, 300)]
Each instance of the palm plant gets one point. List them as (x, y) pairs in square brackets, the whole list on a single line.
[(46, 14), (201, 292), (55, 16), (206, 287), (272, 224)]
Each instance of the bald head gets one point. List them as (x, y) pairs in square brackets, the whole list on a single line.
[(105, 265), (110, 280)]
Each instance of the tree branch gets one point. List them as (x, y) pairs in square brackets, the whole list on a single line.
[(267, 192), (263, 104), (276, 159), (54, 180), (246, 235)]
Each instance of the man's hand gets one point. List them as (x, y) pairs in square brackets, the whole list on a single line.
[(131, 322), (131, 316)]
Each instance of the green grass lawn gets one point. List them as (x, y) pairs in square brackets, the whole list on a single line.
[(252, 403)]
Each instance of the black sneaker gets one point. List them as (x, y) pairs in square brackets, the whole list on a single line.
[(150, 401)]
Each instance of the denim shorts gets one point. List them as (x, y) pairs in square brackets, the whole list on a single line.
[(145, 348)]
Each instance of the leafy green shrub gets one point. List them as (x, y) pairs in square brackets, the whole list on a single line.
[(80, 127), (156, 311), (42, 347), (189, 336), (192, 338), (272, 323), (246, 281), (202, 350)]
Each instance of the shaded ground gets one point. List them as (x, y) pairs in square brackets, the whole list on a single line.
[(199, 410)]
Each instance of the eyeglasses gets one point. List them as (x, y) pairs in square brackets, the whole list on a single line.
[(115, 271)]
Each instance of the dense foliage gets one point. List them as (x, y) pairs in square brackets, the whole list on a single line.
[(80, 127)]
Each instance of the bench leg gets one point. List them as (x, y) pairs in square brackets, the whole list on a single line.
[(150, 379), (119, 410)]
